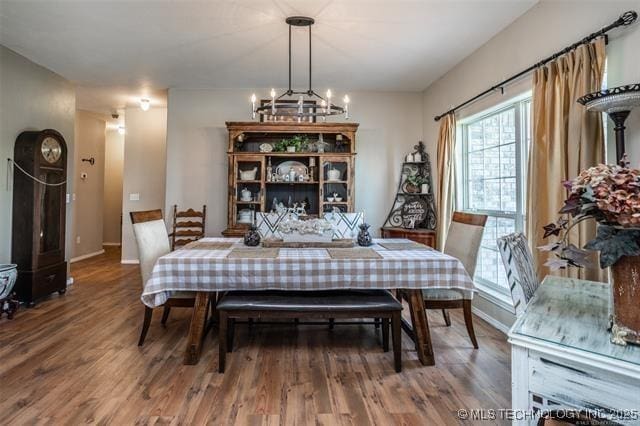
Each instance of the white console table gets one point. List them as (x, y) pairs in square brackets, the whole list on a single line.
[(561, 356)]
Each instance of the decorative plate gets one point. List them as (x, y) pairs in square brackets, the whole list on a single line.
[(266, 147), (284, 168)]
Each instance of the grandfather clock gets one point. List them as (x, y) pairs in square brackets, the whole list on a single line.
[(38, 230)]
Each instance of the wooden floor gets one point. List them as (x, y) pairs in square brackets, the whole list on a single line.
[(73, 359)]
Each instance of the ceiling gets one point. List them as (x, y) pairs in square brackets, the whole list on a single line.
[(135, 45)]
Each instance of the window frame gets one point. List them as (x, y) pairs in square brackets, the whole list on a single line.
[(521, 105)]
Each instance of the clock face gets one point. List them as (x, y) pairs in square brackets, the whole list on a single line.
[(51, 149)]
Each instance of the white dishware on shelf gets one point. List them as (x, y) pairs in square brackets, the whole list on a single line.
[(285, 168), (248, 174), (245, 216), (338, 199), (333, 174), (266, 147), (245, 195), (330, 199)]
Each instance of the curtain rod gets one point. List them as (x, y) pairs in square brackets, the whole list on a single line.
[(625, 19)]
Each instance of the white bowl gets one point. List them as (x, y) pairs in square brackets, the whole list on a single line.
[(338, 199), (330, 199)]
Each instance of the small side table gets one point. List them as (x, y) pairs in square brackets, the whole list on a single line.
[(422, 236), (561, 356)]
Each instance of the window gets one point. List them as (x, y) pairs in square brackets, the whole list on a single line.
[(494, 151)]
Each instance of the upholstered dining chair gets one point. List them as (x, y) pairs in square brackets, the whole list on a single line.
[(519, 267), (463, 243), (153, 241)]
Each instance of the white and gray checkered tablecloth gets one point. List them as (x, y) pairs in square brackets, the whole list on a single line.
[(207, 269)]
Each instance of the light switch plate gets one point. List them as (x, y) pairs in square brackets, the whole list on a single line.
[(134, 197), (68, 198)]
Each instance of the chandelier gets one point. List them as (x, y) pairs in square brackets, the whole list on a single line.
[(309, 103)]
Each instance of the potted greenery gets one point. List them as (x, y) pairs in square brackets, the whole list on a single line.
[(294, 144), (609, 195), (414, 183)]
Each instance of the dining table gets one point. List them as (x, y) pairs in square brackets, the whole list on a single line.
[(212, 265)]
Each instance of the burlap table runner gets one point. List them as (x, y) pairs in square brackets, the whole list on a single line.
[(403, 246), (353, 253), (253, 253), (204, 245)]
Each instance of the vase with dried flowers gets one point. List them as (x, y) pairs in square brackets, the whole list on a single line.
[(611, 196)]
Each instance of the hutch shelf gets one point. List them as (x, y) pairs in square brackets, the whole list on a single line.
[(324, 169)]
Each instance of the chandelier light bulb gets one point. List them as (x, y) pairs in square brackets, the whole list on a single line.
[(329, 94), (253, 105), (145, 104), (273, 93), (346, 106)]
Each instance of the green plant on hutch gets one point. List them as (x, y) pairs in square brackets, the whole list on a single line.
[(297, 143)]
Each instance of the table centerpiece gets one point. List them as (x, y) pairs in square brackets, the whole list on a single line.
[(313, 230)]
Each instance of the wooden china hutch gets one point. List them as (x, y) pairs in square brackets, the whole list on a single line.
[(322, 177)]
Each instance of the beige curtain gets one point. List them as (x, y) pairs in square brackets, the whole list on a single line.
[(566, 139), (446, 176)]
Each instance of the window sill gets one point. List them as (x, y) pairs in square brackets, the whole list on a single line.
[(498, 298)]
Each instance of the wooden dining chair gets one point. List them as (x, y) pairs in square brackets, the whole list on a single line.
[(188, 226), (519, 267), (153, 241), (463, 243)]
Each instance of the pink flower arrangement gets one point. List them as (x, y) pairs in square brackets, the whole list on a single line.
[(611, 196), (615, 190)]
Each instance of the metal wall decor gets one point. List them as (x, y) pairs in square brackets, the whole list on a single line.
[(617, 102), (414, 210)]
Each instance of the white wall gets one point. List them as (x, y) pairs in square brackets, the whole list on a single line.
[(546, 28), (113, 168), (390, 125), (31, 98), (144, 168), (88, 205), (543, 30)]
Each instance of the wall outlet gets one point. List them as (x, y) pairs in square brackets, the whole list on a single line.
[(78, 239), (134, 197)]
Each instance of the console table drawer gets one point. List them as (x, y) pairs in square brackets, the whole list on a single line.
[(582, 386)]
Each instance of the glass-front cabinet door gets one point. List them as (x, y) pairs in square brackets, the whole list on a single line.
[(335, 178), (248, 194)]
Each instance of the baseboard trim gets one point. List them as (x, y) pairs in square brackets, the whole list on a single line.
[(130, 261), (491, 320), (112, 244), (86, 256)]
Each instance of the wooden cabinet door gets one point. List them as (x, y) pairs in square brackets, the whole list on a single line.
[(256, 185)]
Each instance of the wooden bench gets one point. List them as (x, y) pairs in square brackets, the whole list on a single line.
[(342, 304)]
